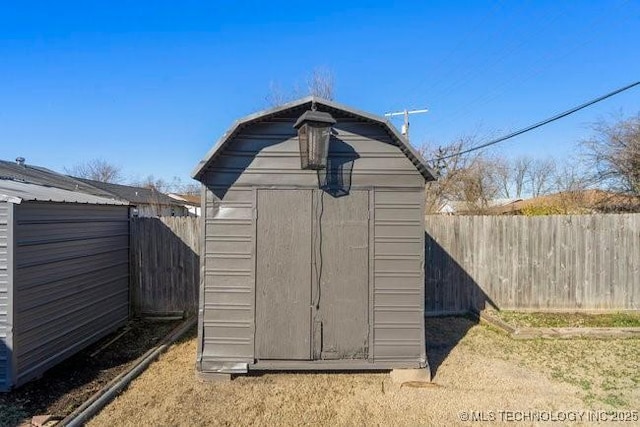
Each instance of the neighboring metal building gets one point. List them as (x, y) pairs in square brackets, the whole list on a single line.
[(143, 201), (306, 269), (64, 275), (21, 171)]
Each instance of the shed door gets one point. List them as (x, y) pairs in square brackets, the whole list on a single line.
[(312, 275), (283, 275), (342, 258)]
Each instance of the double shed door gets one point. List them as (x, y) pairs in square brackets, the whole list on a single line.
[(312, 275)]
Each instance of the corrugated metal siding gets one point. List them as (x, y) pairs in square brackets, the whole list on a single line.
[(4, 297), (71, 280), (268, 154), (228, 299), (398, 275)]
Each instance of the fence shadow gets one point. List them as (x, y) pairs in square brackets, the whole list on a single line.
[(67, 384), (165, 265), (5, 365), (452, 301)]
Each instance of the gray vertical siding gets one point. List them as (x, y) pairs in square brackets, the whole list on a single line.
[(228, 298), (5, 272), (399, 275), (70, 280)]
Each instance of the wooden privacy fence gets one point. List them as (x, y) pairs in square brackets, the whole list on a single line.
[(165, 264), (581, 262)]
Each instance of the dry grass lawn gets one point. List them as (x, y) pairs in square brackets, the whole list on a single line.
[(570, 320), (478, 369)]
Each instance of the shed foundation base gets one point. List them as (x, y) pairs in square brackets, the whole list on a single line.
[(216, 377), (402, 376)]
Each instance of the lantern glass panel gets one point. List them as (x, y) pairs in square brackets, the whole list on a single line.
[(303, 139), (314, 145)]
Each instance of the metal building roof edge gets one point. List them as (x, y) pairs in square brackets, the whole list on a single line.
[(411, 153), (10, 199), (17, 192)]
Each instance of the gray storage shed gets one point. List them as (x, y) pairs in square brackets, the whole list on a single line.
[(64, 275), (312, 268)]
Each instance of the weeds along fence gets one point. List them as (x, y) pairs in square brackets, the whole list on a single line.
[(581, 262), (165, 265), (564, 262)]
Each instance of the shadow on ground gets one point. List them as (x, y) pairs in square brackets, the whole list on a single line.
[(443, 334), (449, 290), (67, 385)]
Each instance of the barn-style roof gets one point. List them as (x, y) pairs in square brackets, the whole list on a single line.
[(324, 105)]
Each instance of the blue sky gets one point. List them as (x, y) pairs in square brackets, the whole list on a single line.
[(150, 86)]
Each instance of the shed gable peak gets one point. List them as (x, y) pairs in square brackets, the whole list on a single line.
[(322, 105)]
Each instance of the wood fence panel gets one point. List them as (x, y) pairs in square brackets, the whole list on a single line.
[(582, 262), (568, 262), (165, 264)]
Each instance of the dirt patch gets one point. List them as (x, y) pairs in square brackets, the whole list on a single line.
[(520, 319), (66, 386), (477, 367)]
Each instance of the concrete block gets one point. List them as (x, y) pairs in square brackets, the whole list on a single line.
[(213, 377), (401, 376)]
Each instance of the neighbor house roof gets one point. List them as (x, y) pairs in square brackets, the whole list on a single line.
[(402, 142), (595, 200), (135, 195), (190, 199), (16, 192)]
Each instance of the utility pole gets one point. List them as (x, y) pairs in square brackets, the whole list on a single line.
[(405, 113)]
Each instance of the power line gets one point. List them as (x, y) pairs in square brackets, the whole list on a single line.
[(542, 63), (441, 64), (542, 123)]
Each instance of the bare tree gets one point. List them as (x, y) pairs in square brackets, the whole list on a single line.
[(157, 184), (448, 165), (522, 168), (97, 170), (512, 176), (540, 174), (277, 96), (612, 154), (569, 184), (190, 188), (470, 178), (478, 184), (525, 176), (320, 82), (161, 185), (503, 175)]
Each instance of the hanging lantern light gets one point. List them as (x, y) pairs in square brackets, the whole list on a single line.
[(314, 133)]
